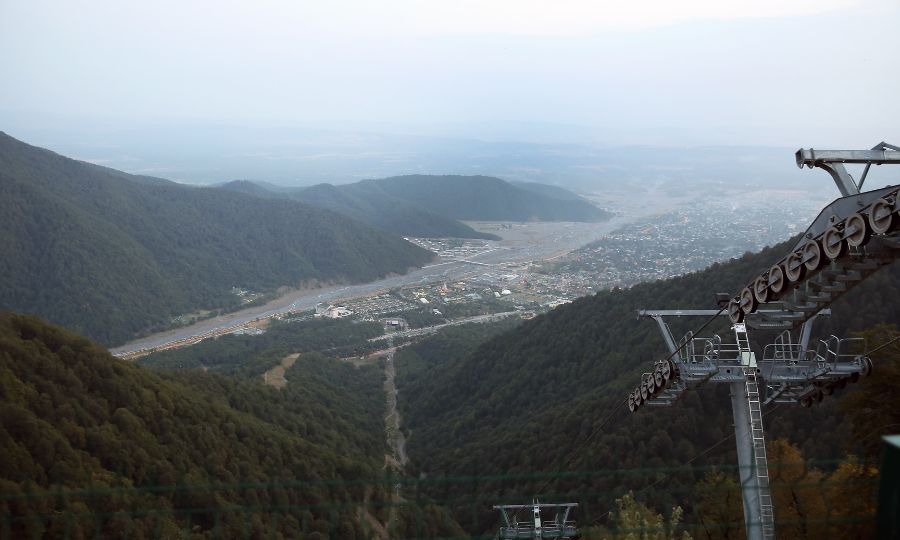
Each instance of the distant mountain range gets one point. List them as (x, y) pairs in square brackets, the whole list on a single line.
[(110, 255), (429, 206), (367, 203)]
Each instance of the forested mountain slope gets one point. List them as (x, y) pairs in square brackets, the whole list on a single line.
[(429, 205), (144, 454), (554, 192), (110, 254), (485, 198), (367, 202), (526, 402)]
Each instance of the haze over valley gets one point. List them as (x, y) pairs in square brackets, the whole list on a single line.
[(498, 269)]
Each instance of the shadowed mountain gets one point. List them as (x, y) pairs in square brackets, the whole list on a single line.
[(484, 198), (369, 204), (111, 255), (429, 206), (546, 190)]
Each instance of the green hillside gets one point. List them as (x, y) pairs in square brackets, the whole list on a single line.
[(484, 198), (554, 192), (111, 255), (525, 403), (367, 202), (95, 447)]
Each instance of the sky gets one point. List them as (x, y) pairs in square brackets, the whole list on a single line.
[(792, 73)]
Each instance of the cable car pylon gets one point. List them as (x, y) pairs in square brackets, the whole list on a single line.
[(850, 239), (544, 521)]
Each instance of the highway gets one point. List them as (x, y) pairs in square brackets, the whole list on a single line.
[(521, 242)]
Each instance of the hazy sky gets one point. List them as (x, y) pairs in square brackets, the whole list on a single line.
[(819, 73)]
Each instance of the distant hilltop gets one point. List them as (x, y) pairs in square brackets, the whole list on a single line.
[(112, 255), (433, 206)]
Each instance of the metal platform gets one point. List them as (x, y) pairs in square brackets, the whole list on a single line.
[(851, 239), (793, 369), (544, 521)]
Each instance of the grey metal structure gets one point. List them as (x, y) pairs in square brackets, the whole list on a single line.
[(850, 239), (539, 523), (794, 369), (833, 161)]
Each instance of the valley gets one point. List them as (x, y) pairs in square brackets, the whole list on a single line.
[(449, 270), (524, 242), (542, 264)]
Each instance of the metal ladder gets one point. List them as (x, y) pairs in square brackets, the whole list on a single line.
[(745, 355), (767, 509), (760, 461)]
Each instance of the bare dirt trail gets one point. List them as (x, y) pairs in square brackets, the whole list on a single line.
[(275, 376), (368, 520), (397, 459), (395, 437)]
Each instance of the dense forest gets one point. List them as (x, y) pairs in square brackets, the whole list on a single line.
[(246, 357), (99, 446), (112, 255), (93, 446), (517, 408)]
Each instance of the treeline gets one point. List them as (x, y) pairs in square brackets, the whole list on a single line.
[(809, 503), (540, 399), (93, 446)]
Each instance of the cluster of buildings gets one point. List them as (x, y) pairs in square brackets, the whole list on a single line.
[(679, 242), (375, 307), (453, 248), (331, 311), (245, 295)]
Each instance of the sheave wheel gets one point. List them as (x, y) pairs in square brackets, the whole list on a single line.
[(777, 281), (812, 256), (857, 230), (734, 311), (761, 289), (666, 370), (748, 301), (881, 217), (833, 244), (794, 269)]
